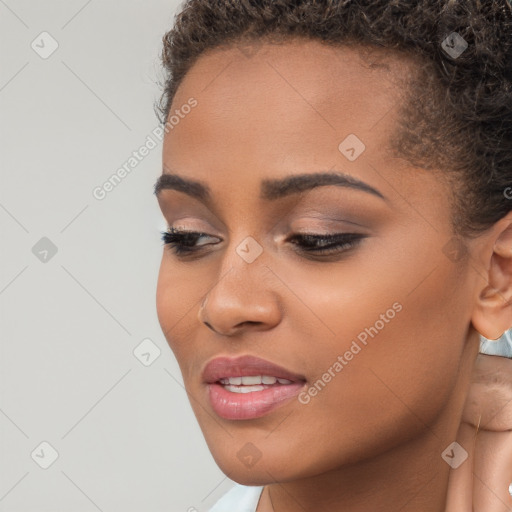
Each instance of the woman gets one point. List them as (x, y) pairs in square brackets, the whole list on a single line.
[(335, 179)]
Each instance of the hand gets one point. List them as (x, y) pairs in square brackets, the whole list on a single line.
[(481, 483)]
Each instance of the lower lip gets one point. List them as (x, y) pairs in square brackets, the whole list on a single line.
[(246, 406)]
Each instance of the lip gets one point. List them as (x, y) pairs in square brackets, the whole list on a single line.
[(243, 366), (254, 404)]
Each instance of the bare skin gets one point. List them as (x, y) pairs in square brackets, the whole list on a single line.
[(372, 439), (482, 483)]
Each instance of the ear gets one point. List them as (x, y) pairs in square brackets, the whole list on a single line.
[(492, 314)]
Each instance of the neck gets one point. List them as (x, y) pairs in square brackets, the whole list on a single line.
[(411, 477)]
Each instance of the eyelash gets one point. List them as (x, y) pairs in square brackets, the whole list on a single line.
[(182, 242)]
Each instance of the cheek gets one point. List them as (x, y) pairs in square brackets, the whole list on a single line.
[(400, 344), (164, 298), (175, 300), (178, 294)]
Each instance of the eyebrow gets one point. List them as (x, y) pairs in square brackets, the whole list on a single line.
[(271, 189)]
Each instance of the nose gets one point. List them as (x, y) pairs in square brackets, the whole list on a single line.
[(243, 298)]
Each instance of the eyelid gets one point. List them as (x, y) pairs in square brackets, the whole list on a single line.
[(282, 237), (192, 225), (314, 222), (327, 229), (323, 222), (193, 230)]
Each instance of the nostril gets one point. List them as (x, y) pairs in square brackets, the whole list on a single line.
[(247, 322)]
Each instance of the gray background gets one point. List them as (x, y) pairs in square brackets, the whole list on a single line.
[(125, 434)]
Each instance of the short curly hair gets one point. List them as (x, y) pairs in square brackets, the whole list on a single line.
[(458, 113)]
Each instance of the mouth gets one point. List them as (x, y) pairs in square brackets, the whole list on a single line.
[(248, 387)]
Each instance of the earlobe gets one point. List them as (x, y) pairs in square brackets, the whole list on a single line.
[(492, 314)]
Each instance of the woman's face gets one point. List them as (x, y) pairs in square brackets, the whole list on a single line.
[(376, 328)]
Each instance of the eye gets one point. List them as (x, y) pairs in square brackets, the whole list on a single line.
[(183, 242), (326, 244)]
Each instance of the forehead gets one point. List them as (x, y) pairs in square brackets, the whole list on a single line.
[(289, 74), (285, 103)]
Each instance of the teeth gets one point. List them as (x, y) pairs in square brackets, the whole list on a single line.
[(244, 389), (253, 380)]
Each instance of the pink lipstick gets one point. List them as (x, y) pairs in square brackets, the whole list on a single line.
[(248, 387)]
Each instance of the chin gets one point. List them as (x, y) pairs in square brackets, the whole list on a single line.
[(250, 477), (239, 467)]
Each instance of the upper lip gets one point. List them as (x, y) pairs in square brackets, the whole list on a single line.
[(242, 366)]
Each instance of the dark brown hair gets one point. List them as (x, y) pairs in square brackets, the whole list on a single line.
[(458, 113)]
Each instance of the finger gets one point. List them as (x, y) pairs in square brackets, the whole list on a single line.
[(493, 472), (489, 401), (491, 404)]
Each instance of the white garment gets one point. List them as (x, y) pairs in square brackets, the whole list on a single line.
[(500, 347), (241, 498)]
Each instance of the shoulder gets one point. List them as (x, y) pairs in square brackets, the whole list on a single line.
[(241, 498)]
